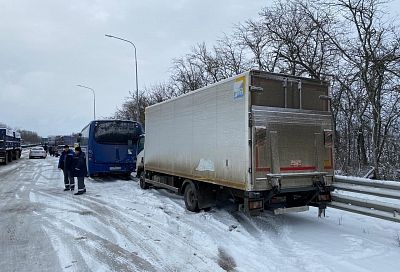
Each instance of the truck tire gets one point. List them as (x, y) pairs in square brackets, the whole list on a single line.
[(6, 159), (190, 196), (10, 157), (139, 172), (142, 183)]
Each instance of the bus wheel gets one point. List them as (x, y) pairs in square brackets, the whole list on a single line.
[(142, 183), (190, 196)]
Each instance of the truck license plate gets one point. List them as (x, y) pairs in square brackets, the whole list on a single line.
[(115, 168)]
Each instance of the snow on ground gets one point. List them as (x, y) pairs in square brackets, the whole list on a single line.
[(117, 226)]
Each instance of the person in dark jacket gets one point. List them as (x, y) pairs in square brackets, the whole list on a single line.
[(65, 163), (80, 169)]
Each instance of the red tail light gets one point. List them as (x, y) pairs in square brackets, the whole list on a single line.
[(258, 204)]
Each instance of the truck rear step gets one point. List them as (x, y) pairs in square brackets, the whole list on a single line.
[(291, 210)]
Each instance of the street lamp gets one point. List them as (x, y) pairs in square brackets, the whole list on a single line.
[(94, 99), (137, 88)]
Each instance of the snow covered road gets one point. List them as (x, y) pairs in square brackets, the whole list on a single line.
[(117, 226)]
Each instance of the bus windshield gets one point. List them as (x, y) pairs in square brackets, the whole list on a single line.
[(115, 132)]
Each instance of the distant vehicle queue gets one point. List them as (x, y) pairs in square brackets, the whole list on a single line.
[(111, 146)]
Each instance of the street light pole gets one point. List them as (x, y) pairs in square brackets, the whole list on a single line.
[(136, 73), (94, 99)]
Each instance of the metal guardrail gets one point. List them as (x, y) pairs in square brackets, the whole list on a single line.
[(376, 208)]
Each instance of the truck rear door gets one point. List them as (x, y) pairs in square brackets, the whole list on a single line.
[(292, 146), (291, 132)]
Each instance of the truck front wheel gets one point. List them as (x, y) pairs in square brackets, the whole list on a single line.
[(142, 181), (190, 196)]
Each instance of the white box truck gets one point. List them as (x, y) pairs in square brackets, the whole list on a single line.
[(263, 139)]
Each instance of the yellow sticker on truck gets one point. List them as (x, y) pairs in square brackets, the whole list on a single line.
[(239, 87)]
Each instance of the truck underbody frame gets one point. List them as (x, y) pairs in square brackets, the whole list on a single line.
[(207, 195)]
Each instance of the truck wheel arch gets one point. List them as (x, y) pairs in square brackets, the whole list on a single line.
[(185, 183)]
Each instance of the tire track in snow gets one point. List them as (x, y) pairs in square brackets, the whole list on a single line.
[(147, 239), (115, 257)]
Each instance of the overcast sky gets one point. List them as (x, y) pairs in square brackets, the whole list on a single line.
[(47, 47)]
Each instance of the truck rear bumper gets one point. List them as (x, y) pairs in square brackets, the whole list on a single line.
[(287, 200), (291, 210), (110, 168)]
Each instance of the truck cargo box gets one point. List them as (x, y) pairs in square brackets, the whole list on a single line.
[(255, 132)]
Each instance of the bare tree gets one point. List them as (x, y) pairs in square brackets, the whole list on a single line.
[(187, 74), (231, 57), (296, 39), (252, 35), (371, 48), (344, 41)]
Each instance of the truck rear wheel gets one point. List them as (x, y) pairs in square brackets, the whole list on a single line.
[(190, 196), (142, 182), (6, 159)]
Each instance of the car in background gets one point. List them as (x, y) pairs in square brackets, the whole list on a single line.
[(37, 152)]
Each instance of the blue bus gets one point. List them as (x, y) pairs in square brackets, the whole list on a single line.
[(111, 146)]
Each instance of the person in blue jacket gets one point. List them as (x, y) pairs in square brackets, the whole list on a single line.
[(80, 169), (65, 163)]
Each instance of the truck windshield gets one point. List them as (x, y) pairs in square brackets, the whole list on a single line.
[(116, 132), (140, 144)]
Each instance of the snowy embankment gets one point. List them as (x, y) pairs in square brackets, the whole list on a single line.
[(119, 227)]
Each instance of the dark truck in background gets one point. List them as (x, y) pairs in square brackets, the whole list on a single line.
[(10, 145)]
